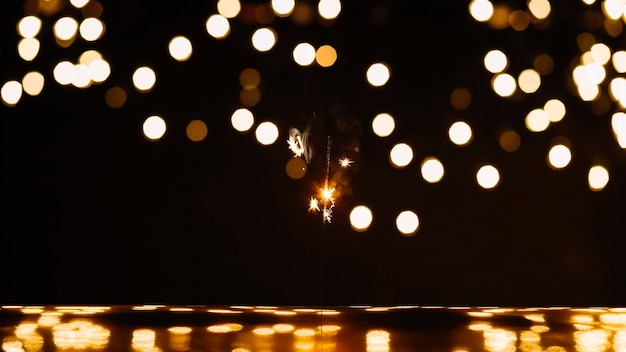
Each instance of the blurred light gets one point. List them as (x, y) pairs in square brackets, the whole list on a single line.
[(144, 79), (555, 110), (263, 331), (460, 98), (383, 125), (619, 61), (432, 170), (504, 84), (154, 127), (91, 29), (496, 61), (28, 48), (144, 340), (228, 8), (88, 57), (500, 17), (63, 72), (378, 74), (224, 328), (99, 70), (360, 218), (329, 9), (249, 78), (29, 26), (407, 223), (79, 3), (519, 20), (601, 53), (618, 123), (401, 155), (588, 92), (266, 133), (544, 64), (529, 81), (539, 8), (65, 28), (296, 168), (303, 14), (537, 120), (481, 10), (263, 39), (326, 55), (250, 97), (11, 92), (488, 176), (614, 9), (377, 341), (304, 54), (180, 48), (510, 141), (283, 8), (115, 97), (33, 83), (598, 177), (559, 156), (460, 133), (196, 130), (81, 77), (217, 26), (242, 120)]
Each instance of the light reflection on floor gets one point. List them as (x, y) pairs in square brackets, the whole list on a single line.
[(363, 328)]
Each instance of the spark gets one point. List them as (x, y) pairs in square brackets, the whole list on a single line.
[(314, 205), (296, 145), (327, 193), (327, 213), (345, 162)]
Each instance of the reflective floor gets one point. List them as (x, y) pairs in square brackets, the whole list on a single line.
[(253, 328)]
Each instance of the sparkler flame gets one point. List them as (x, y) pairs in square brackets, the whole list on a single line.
[(345, 162), (314, 205)]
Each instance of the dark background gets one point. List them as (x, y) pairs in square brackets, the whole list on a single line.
[(93, 213)]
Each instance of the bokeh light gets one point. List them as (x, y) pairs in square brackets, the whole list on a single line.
[(378, 74), (329, 9), (144, 79), (460, 133), (99, 70), (218, 26), (81, 77), (304, 54), (33, 83), (529, 81), (326, 56), (537, 120), (65, 28), (461, 98), (432, 170), (28, 48), (510, 141), (63, 72), (242, 120), (555, 110), (401, 155), (361, 218), (383, 124), (228, 8), (559, 156), (266, 133), (180, 48), (504, 84), (264, 39), (154, 128), (407, 222), (598, 177), (283, 8), (29, 26), (196, 130), (115, 97), (488, 176), (249, 78), (89, 56), (91, 29), (79, 3), (11, 92), (539, 8), (481, 10), (496, 61), (296, 168)]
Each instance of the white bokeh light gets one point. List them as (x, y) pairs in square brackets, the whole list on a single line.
[(460, 133), (488, 176), (154, 128), (432, 170), (263, 39), (266, 133), (401, 155), (361, 218), (407, 223), (242, 120), (378, 74), (383, 124)]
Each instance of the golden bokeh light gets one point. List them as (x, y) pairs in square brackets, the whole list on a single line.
[(29, 26), (598, 177), (228, 8), (250, 97), (377, 340), (63, 72), (618, 124), (218, 26), (432, 170), (99, 70), (283, 8), (481, 10), (510, 141), (559, 156), (144, 340), (93, 8), (266, 133), (614, 9), (544, 64), (11, 93), (619, 61), (28, 48), (249, 78), (504, 84), (180, 48), (555, 110), (519, 20), (144, 79), (529, 81), (154, 128), (407, 222), (326, 56), (540, 9), (33, 83), (500, 18), (601, 53), (264, 39), (89, 56), (79, 3), (383, 124), (401, 155), (361, 218), (196, 130), (296, 168), (304, 54), (303, 14), (242, 120), (329, 9), (460, 98), (81, 77), (460, 133), (537, 120), (378, 74), (65, 28), (488, 176), (91, 29), (115, 97), (496, 61)]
